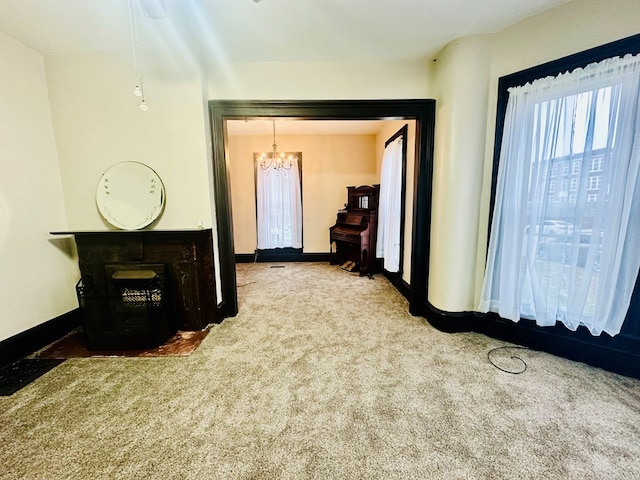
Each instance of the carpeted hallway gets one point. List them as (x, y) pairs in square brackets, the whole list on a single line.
[(323, 375)]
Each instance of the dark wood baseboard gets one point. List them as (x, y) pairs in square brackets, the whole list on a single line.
[(398, 282), (619, 354), (405, 289), (35, 338), (284, 256), (245, 257)]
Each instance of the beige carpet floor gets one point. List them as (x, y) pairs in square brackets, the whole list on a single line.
[(323, 375)]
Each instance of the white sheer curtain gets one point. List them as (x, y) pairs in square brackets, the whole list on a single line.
[(565, 236), (389, 208), (279, 207)]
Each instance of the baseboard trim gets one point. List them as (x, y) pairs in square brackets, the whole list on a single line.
[(245, 257), (449, 322), (617, 354), (281, 257), (403, 287), (35, 338)]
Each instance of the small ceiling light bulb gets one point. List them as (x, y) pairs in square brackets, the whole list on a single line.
[(137, 91), (143, 106)]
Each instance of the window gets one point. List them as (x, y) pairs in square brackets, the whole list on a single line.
[(554, 171), (564, 185), (575, 167), (574, 184), (278, 205), (388, 241), (575, 261), (565, 169)]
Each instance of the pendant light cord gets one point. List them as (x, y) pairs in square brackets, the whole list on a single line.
[(135, 40)]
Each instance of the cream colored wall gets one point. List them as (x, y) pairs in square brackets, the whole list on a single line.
[(98, 124), (389, 129), (568, 29), (38, 272), (465, 87), (461, 109), (335, 81), (243, 190), (329, 164)]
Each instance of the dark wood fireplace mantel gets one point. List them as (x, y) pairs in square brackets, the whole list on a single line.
[(187, 254)]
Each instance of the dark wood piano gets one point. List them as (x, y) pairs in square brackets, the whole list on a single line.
[(354, 234)]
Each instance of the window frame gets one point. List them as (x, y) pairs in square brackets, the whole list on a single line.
[(619, 48), (256, 167), (564, 185), (575, 167), (596, 165), (629, 45), (574, 184)]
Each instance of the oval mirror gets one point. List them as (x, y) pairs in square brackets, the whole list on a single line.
[(130, 195)]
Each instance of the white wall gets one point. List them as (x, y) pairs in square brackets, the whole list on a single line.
[(38, 272), (467, 74), (318, 81), (461, 110), (98, 124)]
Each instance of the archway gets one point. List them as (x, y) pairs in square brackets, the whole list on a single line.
[(422, 111)]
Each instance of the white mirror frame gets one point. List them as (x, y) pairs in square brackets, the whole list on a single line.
[(130, 195)]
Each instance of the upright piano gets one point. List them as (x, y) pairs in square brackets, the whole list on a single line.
[(354, 234)]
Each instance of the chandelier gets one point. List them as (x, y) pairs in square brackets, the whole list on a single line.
[(275, 160)]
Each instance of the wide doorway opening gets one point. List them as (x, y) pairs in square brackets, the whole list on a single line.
[(421, 111)]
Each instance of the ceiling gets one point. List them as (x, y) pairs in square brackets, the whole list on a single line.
[(266, 30), (195, 32)]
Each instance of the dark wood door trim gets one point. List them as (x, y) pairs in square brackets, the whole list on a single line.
[(420, 110), (396, 277)]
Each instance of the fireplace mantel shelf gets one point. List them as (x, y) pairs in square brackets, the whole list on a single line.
[(97, 232)]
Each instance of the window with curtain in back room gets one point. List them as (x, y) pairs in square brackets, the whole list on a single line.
[(566, 222), (278, 206)]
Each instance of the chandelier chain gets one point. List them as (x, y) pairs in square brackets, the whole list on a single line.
[(276, 160)]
